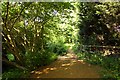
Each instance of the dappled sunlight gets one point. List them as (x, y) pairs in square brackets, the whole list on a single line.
[(38, 77), (36, 72), (60, 40), (74, 61), (44, 71), (64, 65), (67, 68), (53, 69), (81, 61)]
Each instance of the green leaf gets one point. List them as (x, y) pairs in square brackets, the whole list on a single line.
[(11, 57)]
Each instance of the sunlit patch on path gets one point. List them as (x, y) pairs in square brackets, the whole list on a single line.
[(67, 66)]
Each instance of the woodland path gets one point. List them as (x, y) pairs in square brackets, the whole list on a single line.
[(67, 67)]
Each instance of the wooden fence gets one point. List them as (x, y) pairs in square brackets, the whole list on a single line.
[(94, 48), (97, 46)]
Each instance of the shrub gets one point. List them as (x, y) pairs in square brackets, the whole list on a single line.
[(58, 48), (34, 60), (14, 73), (110, 65)]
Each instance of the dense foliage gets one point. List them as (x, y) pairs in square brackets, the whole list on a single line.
[(110, 64), (100, 23), (100, 26), (35, 33)]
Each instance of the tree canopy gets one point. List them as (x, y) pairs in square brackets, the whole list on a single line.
[(35, 33)]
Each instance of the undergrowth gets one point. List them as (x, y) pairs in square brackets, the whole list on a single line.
[(32, 62), (110, 65), (15, 73)]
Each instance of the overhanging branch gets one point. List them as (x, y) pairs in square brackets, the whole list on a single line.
[(18, 17)]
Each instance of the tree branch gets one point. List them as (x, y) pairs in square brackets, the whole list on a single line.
[(18, 17), (13, 64), (6, 15)]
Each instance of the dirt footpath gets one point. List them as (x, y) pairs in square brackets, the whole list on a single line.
[(67, 67)]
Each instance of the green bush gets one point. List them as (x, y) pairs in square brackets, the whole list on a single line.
[(10, 56), (34, 60), (81, 55), (58, 48), (14, 73), (112, 67), (75, 48)]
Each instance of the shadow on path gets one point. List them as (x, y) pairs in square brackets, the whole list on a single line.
[(67, 67)]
